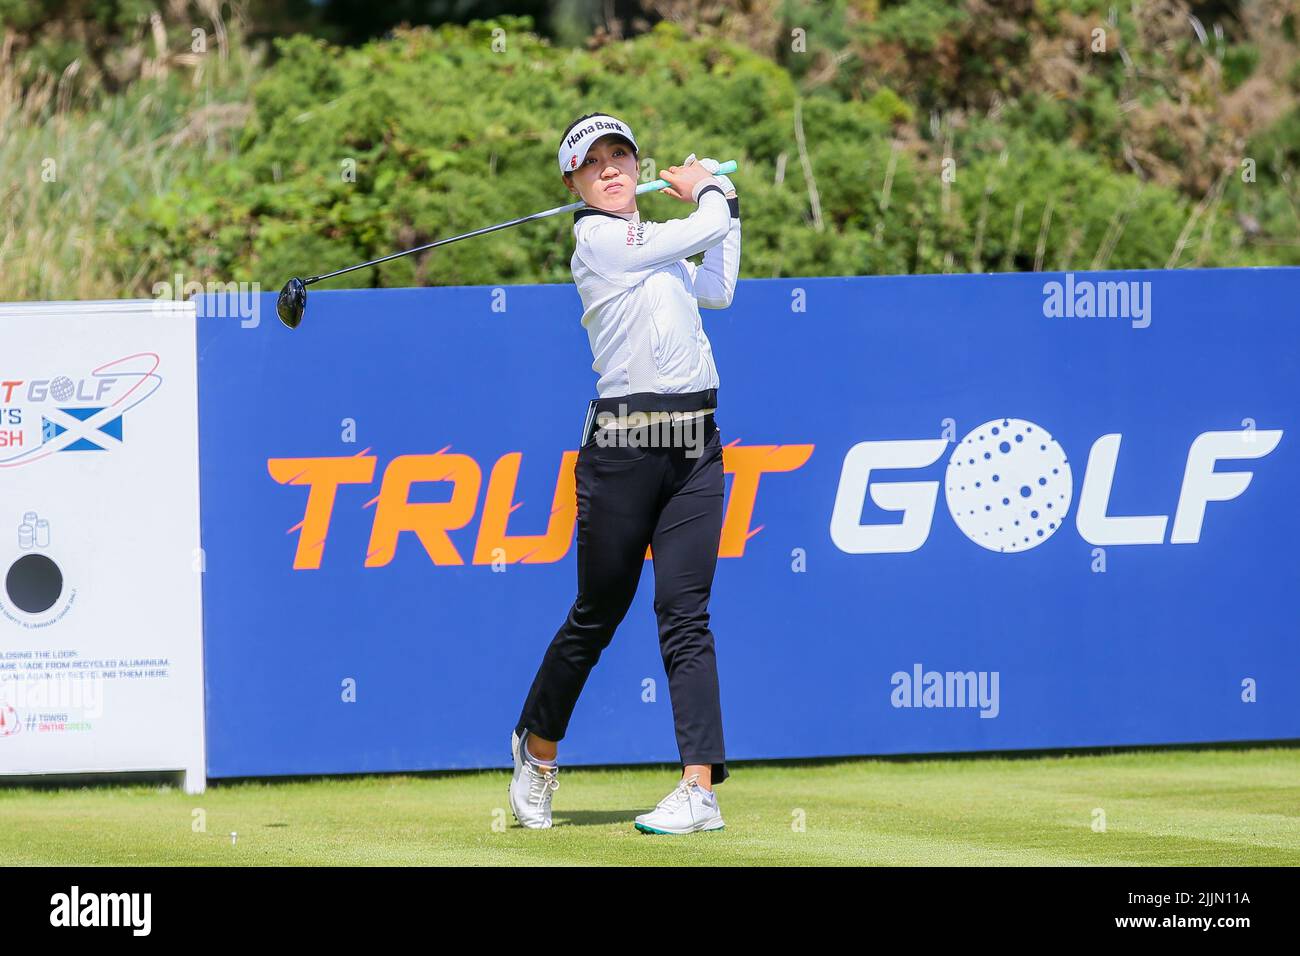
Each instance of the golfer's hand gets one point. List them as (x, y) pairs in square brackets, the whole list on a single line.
[(682, 180), (728, 187)]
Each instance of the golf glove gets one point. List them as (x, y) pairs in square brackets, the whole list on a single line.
[(712, 166)]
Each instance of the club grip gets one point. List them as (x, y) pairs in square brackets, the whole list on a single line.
[(723, 168)]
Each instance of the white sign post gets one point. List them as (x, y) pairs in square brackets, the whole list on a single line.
[(101, 649)]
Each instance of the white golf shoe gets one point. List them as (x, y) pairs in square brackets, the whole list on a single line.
[(682, 811), (531, 787)]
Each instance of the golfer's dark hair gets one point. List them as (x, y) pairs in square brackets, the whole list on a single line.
[(568, 172)]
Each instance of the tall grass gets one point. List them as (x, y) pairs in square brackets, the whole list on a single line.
[(74, 160)]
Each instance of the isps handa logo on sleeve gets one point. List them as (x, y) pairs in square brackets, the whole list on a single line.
[(70, 411), (35, 591)]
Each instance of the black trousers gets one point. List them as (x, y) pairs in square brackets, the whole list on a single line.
[(668, 496)]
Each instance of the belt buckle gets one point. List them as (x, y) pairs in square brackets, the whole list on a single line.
[(587, 429)]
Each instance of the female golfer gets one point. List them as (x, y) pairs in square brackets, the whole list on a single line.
[(649, 471)]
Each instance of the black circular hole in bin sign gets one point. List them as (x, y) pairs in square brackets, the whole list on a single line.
[(34, 583)]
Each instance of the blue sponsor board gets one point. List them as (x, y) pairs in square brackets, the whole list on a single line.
[(964, 513)]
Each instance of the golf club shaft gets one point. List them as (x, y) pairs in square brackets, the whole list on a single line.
[(654, 186)]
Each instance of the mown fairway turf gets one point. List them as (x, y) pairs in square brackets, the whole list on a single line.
[(1210, 807)]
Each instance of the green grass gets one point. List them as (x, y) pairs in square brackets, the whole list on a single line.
[(1177, 807)]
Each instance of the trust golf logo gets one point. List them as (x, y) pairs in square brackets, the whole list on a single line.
[(1086, 299), (1033, 470), (45, 414), (131, 910), (922, 688)]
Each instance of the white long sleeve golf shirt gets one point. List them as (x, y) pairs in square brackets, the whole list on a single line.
[(641, 295)]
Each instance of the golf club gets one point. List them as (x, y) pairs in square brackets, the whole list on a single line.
[(292, 302)]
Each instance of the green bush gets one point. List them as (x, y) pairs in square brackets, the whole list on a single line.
[(448, 136)]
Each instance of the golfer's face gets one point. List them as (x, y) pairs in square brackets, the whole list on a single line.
[(606, 178)]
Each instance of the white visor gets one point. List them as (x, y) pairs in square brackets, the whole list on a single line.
[(579, 139)]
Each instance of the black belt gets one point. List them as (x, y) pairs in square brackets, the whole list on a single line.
[(657, 402), (647, 402)]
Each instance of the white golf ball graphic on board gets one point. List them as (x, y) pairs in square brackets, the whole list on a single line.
[(1008, 485)]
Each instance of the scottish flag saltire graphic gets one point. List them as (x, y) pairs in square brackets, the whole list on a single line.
[(96, 441)]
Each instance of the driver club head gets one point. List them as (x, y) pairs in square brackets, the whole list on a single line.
[(292, 302)]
